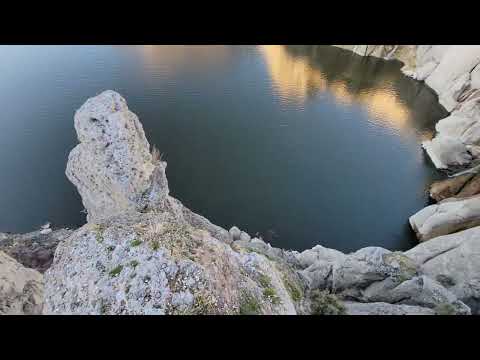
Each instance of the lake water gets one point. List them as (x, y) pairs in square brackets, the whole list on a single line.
[(305, 145)]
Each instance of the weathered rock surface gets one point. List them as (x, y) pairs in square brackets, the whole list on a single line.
[(454, 261), (155, 264), (459, 187), (377, 275), (21, 289), (142, 251), (112, 165), (379, 308), (33, 250), (441, 190), (446, 217)]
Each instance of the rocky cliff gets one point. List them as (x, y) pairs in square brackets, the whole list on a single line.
[(143, 252), (453, 72)]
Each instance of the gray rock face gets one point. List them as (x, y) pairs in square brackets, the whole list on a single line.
[(418, 291), (377, 275), (379, 308), (369, 265), (446, 217), (454, 261), (21, 289), (158, 265), (33, 250)]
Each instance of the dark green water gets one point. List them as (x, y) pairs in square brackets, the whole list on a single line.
[(305, 145)]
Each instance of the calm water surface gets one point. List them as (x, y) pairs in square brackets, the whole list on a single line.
[(305, 145)]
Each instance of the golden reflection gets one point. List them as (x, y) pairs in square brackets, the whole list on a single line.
[(175, 57), (294, 78)]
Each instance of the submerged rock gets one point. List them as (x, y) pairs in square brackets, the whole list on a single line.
[(21, 289)]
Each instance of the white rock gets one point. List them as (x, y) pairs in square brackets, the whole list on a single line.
[(475, 77), (446, 217), (425, 70), (447, 151), (454, 261)]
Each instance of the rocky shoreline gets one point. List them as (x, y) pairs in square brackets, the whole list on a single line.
[(143, 252)]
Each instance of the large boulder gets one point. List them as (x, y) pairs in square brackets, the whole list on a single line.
[(21, 289), (350, 274), (455, 66), (454, 261), (112, 166), (456, 142), (446, 217)]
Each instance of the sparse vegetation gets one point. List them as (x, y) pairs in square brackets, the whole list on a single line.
[(268, 291), (156, 155), (136, 242), (324, 303), (271, 295), (98, 230), (445, 309), (264, 280), (116, 271), (293, 289), (155, 245), (249, 305), (134, 263)]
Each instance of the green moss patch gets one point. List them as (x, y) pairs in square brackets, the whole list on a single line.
[(116, 271)]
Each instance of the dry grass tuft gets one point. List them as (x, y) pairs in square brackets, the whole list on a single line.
[(156, 155)]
